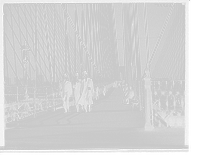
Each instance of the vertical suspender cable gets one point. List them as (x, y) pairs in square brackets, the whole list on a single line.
[(95, 37), (146, 33), (65, 57), (20, 38), (90, 29), (48, 50), (80, 40), (97, 43), (82, 18), (118, 73), (138, 62), (14, 47), (134, 51), (92, 15), (85, 33), (27, 37), (75, 38), (35, 60), (87, 28), (54, 43), (69, 62)]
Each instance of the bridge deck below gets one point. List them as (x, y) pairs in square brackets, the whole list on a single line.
[(110, 125)]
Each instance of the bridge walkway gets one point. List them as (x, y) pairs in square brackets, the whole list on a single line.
[(110, 124)]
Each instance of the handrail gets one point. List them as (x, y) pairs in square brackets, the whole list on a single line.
[(31, 106), (170, 102)]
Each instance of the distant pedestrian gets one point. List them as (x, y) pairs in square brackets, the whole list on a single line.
[(77, 86), (118, 84), (125, 88), (97, 93), (66, 92), (134, 101), (86, 91), (104, 90), (115, 84), (129, 94), (59, 88)]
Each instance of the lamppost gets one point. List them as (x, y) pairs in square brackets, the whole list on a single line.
[(25, 48)]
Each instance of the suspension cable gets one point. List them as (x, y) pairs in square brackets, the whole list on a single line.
[(116, 51), (48, 48), (80, 39), (161, 35), (145, 18), (13, 42)]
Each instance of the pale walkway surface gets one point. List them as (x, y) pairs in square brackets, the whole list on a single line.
[(111, 125)]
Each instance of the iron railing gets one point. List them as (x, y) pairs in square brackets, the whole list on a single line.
[(168, 103), (17, 107)]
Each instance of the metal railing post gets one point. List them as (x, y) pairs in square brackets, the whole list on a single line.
[(34, 102), (46, 102), (148, 98), (17, 99)]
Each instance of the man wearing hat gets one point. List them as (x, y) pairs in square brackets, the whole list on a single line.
[(86, 91), (66, 91), (77, 91)]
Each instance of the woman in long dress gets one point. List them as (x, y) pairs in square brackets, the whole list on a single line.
[(90, 94), (77, 92)]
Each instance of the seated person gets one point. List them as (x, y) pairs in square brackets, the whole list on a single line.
[(128, 94), (134, 101)]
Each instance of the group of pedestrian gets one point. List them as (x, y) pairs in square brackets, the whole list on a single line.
[(83, 92), (97, 91)]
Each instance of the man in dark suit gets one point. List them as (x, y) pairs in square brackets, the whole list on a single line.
[(66, 92), (77, 86), (86, 91)]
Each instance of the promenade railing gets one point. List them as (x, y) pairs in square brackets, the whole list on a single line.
[(168, 104), (17, 106)]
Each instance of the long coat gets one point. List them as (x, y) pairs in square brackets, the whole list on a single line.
[(65, 89), (86, 93), (77, 87)]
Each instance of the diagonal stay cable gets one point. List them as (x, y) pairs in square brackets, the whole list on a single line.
[(160, 36), (162, 32), (80, 40)]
